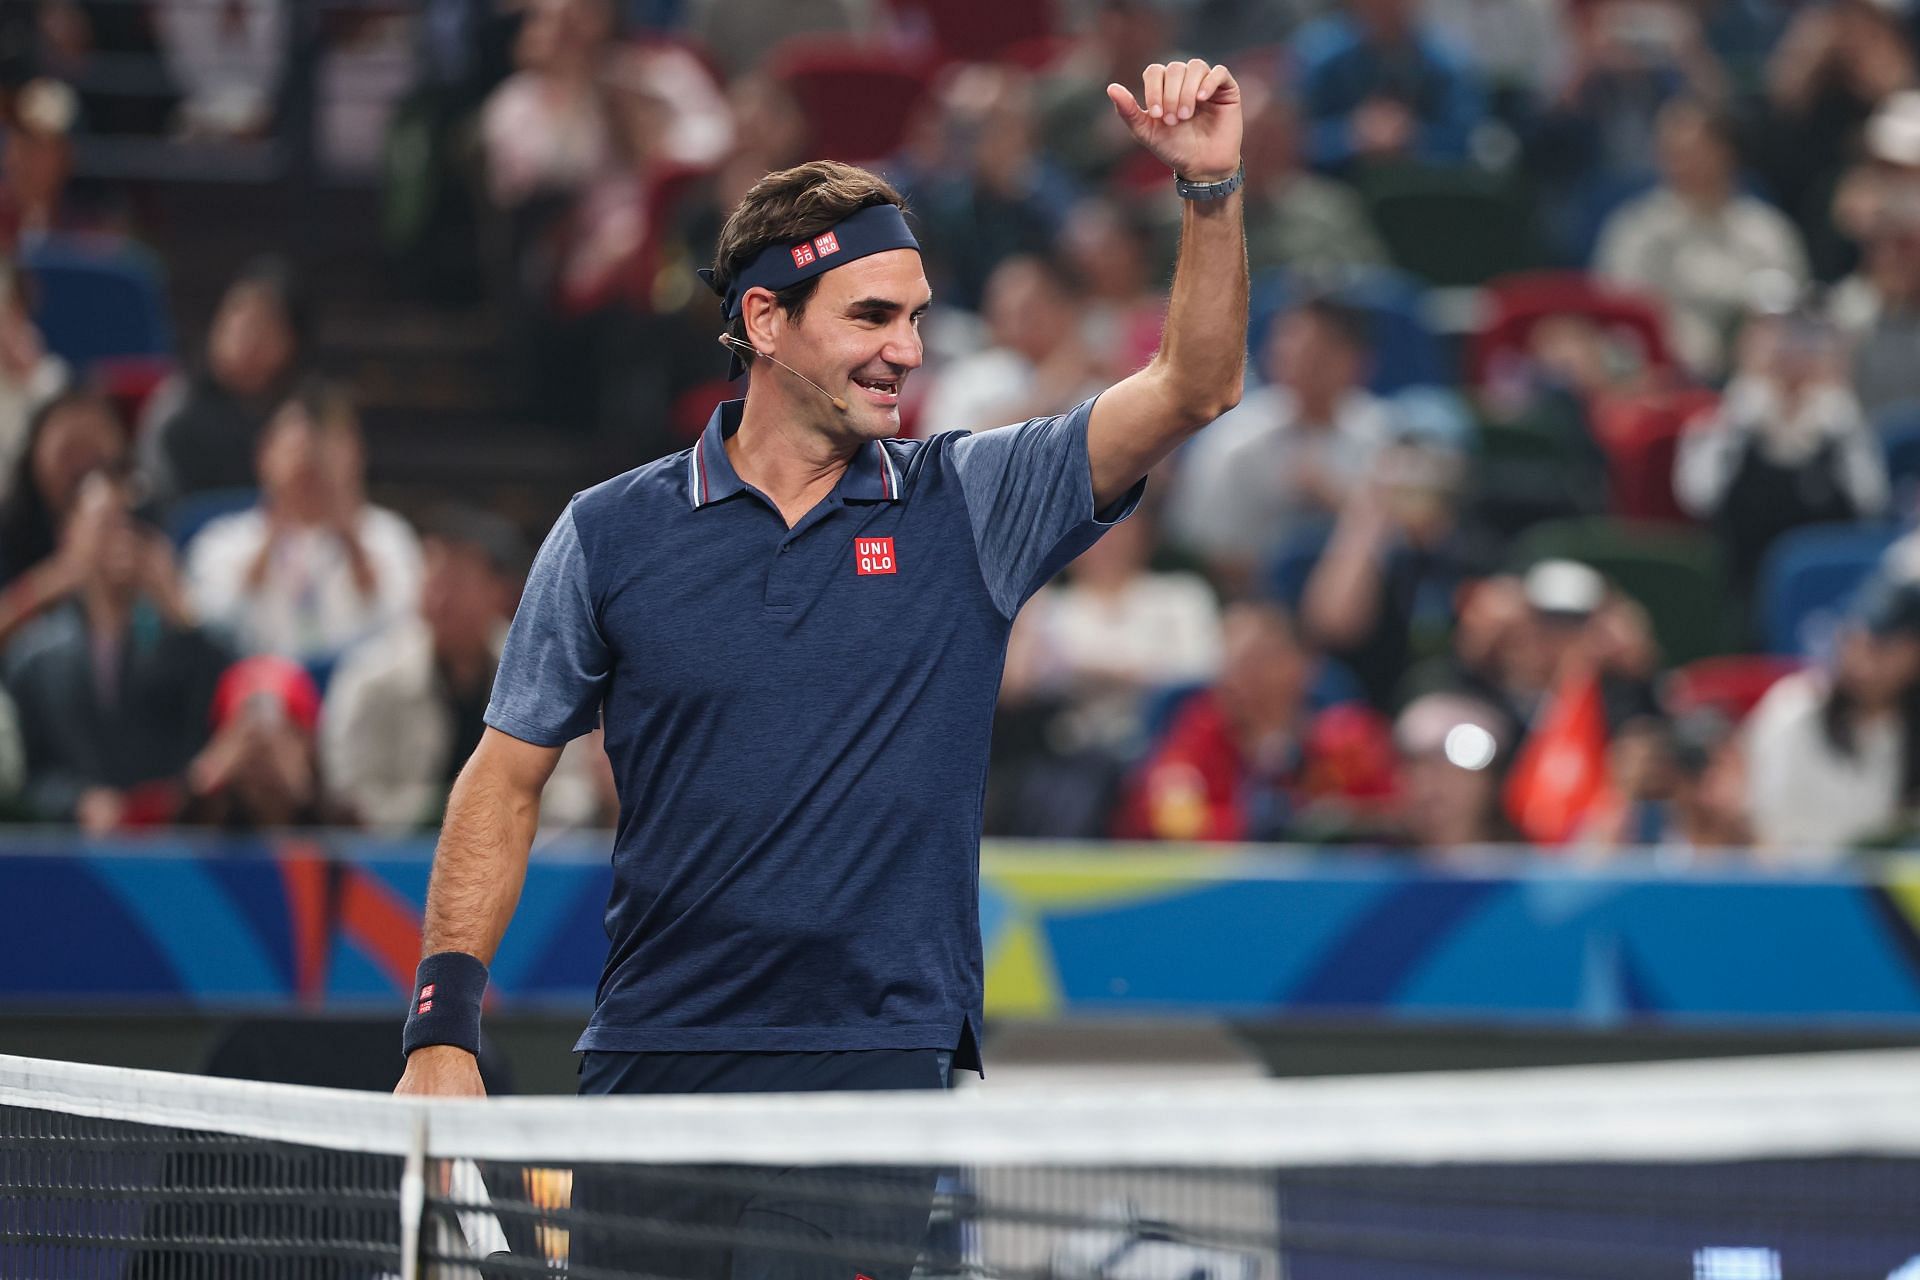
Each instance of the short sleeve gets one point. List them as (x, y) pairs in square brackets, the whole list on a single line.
[(1029, 495), (553, 671)]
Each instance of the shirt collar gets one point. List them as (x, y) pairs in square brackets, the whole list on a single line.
[(872, 476)]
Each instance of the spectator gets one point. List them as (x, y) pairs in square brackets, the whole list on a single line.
[(37, 161), (1696, 240), (1788, 446), (1520, 50), (1878, 307), (1001, 196), (1517, 639), (1249, 759), (29, 375), (1377, 87), (1677, 786), (1083, 659), (1296, 218), (546, 130), (402, 716), (199, 432), (69, 438), (1832, 755), (1288, 456), (1037, 364), (227, 60), (113, 686), (1109, 246), (1833, 66), (1385, 586), (313, 568), (741, 33), (260, 771), (1078, 129), (1450, 752), (1631, 57)]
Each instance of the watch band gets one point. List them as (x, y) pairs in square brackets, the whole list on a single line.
[(1210, 190)]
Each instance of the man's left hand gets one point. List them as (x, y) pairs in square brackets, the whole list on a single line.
[(1188, 116)]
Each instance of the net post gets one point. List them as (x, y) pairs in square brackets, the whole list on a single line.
[(413, 1198)]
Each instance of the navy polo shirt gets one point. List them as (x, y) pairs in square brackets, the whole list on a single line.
[(798, 723)]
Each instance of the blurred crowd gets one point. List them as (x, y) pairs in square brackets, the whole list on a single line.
[(1568, 503)]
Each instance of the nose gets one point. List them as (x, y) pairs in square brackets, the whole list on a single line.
[(904, 348)]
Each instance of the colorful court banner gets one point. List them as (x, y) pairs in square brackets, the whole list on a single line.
[(318, 922)]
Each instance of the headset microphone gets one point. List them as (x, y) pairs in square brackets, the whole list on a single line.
[(730, 342)]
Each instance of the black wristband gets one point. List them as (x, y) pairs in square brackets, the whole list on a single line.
[(447, 990)]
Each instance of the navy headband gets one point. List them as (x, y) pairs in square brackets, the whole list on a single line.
[(874, 229)]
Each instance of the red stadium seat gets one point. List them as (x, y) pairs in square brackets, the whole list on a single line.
[(858, 99), (1515, 304), (1640, 435), (1732, 685)]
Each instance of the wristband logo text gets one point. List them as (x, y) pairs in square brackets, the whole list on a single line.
[(426, 999)]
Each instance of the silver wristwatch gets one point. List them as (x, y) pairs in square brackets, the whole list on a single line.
[(1210, 190)]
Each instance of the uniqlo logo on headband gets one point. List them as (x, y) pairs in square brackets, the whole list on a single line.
[(826, 243), (803, 255), (874, 555)]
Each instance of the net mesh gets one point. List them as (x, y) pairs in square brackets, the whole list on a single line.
[(1795, 1168)]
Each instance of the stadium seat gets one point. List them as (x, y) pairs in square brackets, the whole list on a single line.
[(1406, 352), (1675, 574), (98, 296), (1533, 469), (1640, 435), (196, 511), (1450, 226), (1808, 579), (1731, 684), (1516, 304), (858, 100), (1898, 426)]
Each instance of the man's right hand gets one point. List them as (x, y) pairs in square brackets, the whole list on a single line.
[(441, 1071)]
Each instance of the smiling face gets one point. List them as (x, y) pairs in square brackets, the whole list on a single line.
[(858, 337)]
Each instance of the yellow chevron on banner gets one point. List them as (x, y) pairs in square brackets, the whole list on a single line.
[(1903, 886), (1052, 877), (1021, 982)]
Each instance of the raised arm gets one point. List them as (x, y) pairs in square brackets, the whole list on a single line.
[(478, 868), (1189, 118)]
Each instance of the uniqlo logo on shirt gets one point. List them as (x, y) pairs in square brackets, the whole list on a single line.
[(874, 555), (826, 243), (802, 255)]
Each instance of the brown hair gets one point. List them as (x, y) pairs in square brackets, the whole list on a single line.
[(793, 204)]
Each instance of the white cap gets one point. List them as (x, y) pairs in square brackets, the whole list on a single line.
[(1564, 586), (1893, 133)]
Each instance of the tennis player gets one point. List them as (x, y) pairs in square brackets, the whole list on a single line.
[(793, 633)]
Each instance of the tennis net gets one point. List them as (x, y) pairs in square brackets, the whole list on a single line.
[(1784, 1168)]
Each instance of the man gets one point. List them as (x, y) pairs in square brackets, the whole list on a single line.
[(1283, 463), (793, 632), (403, 715)]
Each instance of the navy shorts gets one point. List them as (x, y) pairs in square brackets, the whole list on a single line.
[(719, 1223)]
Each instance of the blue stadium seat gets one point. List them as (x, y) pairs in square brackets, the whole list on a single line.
[(1898, 426), (196, 511), (99, 296), (1810, 576), (1406, 353)]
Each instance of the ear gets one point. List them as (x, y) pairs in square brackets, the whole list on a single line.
[(762, 316)]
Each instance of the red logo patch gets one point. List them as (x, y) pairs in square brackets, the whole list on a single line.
[(426, 992), (802, 255), (826, 243), (426, 1006), (874, 555)]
